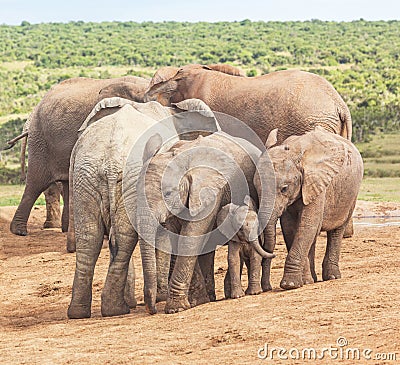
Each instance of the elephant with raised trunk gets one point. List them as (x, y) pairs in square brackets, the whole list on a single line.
[(317, 179), (192, 181), (52, 130), (244, 247), (103, 181)]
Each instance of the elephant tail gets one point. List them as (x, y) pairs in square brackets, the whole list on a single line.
[(22, 159), (347, 126)]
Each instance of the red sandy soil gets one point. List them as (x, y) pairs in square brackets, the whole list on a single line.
[(363, 307)]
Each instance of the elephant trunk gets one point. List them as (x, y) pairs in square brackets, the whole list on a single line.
[(270, 234), (147, 232), (257, 247)]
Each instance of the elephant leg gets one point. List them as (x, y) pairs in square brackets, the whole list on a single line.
[(311, 259), (33, 188), (65, 212), (52, 196), (289, 224), (253, 274), (330, 264), (349, 230), (197, 290), (163, 262), (191, 242), (309, 226), (266, 275), (71, 243), (206, 262), (234, 264), (129, 292), (179, 284), (124, 239), (89, 232), (227, 280)]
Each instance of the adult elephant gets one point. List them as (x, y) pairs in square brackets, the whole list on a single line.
[(100, 158), (293, 101), (192, 181), (52, 130)]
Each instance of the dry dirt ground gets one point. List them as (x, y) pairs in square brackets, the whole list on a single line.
[(362, 308)]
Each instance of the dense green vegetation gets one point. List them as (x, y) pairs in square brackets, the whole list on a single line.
[(381, 156), (360, 58)]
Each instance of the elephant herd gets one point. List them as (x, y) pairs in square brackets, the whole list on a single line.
[(195, 158)]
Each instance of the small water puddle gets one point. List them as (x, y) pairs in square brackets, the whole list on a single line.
[(377, 221)]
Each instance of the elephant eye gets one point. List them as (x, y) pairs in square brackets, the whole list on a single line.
[(167, 194), (284, 188)]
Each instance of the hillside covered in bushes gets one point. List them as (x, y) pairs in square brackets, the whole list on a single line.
[(360, 58)]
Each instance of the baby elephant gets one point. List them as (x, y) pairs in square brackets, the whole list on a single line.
[(317, 179), (241, 227)]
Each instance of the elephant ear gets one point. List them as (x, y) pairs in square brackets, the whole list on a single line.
[(152, 147), (200, 120), (323, 157), (226, 220), (208, 178), (114, 102), (162, 75), (227, 69)]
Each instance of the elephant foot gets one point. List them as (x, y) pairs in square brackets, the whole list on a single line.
[(78, 311), (266, 286), (51, 224), (150, 299), (130, 300), (161, 297), (330, 272), (308, 279), (176, 304), (108, 310), (291, 281), (253, 290), (18, 228), (227, 291), (237, 293), (198, 300)]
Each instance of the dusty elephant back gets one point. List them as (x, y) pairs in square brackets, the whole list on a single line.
[(293, 101), (58, 116)]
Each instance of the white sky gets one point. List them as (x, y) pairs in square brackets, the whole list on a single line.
[(38, 11)]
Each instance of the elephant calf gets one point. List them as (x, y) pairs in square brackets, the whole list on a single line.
[(317, 179), (244, 247)]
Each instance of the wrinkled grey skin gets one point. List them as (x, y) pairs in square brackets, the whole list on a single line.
[(52, 132), (200, 190), (244, 247), (292, 100), (318, 176), (99, 201)]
